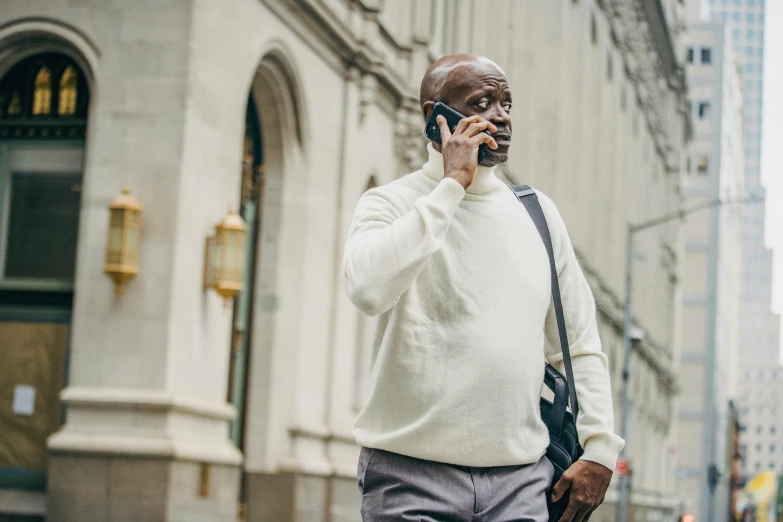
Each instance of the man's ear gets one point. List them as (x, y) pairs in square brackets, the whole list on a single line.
[(427, 109)]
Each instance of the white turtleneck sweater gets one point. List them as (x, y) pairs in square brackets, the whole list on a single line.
[(462, 285)]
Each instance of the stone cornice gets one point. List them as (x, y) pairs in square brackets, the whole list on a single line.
[(165, 446), (157, 400), (657, 354), (363, 44), (150, 421), (658, 80), (320, 451)]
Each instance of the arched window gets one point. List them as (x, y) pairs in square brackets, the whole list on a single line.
[(44, 96), (15, 104), (69, 91), (252, 165), (43, 119)]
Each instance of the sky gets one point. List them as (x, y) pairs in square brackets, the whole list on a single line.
[(772, 145)]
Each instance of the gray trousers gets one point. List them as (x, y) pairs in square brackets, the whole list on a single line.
[(399, 488)]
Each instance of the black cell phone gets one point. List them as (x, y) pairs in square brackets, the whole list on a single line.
[(432, 130)]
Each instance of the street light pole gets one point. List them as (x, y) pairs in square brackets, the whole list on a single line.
[(631, 229), (622, 514)]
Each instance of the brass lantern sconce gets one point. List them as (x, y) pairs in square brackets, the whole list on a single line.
[(225, 257), (123, 243)]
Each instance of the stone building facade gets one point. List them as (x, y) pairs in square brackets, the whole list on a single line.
[(176, 407), (759, 325), (713, 271)]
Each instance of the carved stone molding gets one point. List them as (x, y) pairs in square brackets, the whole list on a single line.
[(657, 354), (659, 83), (410, 144), (356, 43)]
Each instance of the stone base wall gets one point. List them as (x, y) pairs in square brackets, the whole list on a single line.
[(123, 489), (293, 497), (607, 512), (20, 518)]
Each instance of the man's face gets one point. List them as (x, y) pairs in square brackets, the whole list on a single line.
[(481, 88)]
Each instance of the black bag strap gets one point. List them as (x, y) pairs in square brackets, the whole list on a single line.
[(527, 196)]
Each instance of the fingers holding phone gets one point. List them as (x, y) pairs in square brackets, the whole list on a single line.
[(473, 125), (445, 131), (460, 148)]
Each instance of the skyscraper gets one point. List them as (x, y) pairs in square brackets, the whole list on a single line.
[(759, 334), (712, 282)]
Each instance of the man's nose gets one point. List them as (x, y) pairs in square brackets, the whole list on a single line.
[(499, 115)]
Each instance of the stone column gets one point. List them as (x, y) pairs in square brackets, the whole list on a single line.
[(146, 434)]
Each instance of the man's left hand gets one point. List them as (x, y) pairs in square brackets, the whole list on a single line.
[(588, 482)]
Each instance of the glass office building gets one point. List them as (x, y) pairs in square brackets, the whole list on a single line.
[(759, 334)]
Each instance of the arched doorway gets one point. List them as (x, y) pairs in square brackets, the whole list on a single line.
[(251, 199), (43, 120), (251, 210), (274, 159)]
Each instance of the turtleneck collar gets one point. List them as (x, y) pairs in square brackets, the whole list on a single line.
[(484, 181)]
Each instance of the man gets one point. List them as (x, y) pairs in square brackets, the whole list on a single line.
[(454, 266)]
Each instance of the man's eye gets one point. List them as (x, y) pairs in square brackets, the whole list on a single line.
[(484, 104), (507, 107)]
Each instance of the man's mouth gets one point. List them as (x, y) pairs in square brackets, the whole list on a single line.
[(502, 139)]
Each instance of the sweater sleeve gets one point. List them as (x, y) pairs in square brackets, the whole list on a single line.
[(595, 423), (388, 246)]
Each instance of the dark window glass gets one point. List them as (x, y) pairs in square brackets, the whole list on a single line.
[(43, 225), (702, 165), (706, 55), (704, 110)]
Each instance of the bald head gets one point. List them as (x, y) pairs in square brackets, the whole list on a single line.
[(473, 86), (453, 70)]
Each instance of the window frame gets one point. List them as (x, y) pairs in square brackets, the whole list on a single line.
[(6, 149)]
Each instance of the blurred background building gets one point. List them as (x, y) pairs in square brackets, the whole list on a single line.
[(759, 369), (712, 279), (162, 403)]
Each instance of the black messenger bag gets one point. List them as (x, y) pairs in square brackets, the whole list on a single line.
[(564, 447)]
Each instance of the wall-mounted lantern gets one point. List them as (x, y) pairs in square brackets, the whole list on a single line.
[(225, 257), (123, 243)]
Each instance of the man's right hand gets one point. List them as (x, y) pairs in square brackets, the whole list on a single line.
[(460, 150)]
